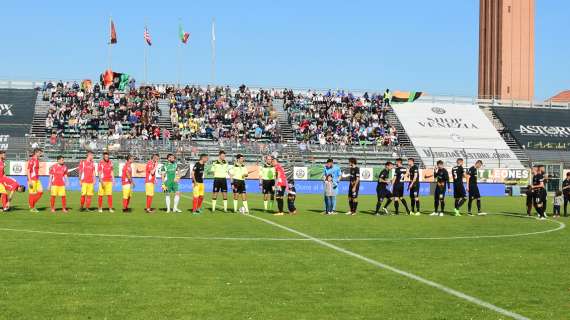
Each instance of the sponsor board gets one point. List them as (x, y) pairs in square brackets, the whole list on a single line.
[(300, 173), (17, 108), (506, 176), (450, 131), (366, 174), (543, 129), (17, 168)]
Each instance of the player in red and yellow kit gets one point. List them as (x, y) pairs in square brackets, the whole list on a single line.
[(127, 183), (7, 185), (149, 181), (34, 185), (106, 181), (57, 182), (87, 179)]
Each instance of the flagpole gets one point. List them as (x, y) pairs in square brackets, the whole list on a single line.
[(145, 54), (213, 50), (110, 44), (178, 55)]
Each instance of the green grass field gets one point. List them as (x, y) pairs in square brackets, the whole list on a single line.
[(309, 266)]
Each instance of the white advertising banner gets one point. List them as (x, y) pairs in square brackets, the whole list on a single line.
[(301, 173), (366, 174), (450, 131)]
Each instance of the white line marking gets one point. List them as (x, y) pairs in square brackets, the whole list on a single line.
[(412, 276)]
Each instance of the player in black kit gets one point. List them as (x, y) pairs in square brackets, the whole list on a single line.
[(400, 174), (382, 191), (473, 188), (539, 192), (566, 192), (459, 194), (354, 185), (414, 186), (441, 177)]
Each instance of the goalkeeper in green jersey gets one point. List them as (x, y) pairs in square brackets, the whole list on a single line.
[(170, 182)]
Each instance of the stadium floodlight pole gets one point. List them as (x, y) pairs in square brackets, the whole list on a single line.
[(213, 42)]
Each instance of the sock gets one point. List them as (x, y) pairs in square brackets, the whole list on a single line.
[(271, 204), (479, 205), (31, 200), (235, 205), (37, 198), (200, 200), (397, 206), (460, 203), (194, 203), (64, 202), (214, 204), (176, 201), (4, 200), (167, 198), (148, 202), (280, 204), (413, 201), (225, 204), (350, 204), (456, 203), (378, 206), (355, 205), (52, 202), (417, 205), (110, 201), (88, 202), (469, 205), (100, 202), (436, 205), (82, 202), (442, 205), (245, 205), (405, 205), (388, 203), (125, 203), (265, 205)]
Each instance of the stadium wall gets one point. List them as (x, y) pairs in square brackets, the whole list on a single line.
[(302, 186)]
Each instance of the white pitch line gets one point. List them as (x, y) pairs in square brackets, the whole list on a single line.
[(406, 274)]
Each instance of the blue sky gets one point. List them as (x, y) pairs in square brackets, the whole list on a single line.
[(408, 45)]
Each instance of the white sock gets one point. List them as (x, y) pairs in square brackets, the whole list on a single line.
[(235, 205), (245, 206), (176, 201), (225, 205), (168, 202)]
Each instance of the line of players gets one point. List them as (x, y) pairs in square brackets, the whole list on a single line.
[(272, 181), (411, 174)]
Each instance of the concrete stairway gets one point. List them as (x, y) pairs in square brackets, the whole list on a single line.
[(292, 156), (38, 128), (408, 149), (164, 120)]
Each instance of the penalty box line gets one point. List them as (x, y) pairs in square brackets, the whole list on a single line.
[(406, 274)]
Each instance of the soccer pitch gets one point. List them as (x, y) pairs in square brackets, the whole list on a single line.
[(231, 266)]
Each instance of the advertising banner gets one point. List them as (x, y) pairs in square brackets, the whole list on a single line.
[(17, 108), (300, 173), (367, 174), (538, 128), (450, 131)]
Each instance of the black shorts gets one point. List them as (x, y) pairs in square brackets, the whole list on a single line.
[(458, 191), (353, 194), (398, 190), (280, 191), (238, 186), (220, 185), (383, 192), (415, 191), (267, 186), (540, 197), (474, 192), (439, 192)]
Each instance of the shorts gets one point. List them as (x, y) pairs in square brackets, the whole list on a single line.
[(353, 194), (383, 192), (415, 191), (280, 191), (171, 186), (87, 189), (35, 186), (105, 189), (474, 192), (2, 189), (57, 191), (267, 186), (439, 192), (127, 191), (458, 191), (220, 185), (149, 189), (198, 189), (238, 186), (398, 190), (540, 197)]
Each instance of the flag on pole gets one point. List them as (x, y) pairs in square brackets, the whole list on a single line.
[(147, 37), (183, 34), (113, 33), (213, 30)]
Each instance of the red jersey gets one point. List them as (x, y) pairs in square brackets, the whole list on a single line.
[(1, 168), (281, 177), (34, 168), (127, 172), (105, 170), (9, 183), (150, 172), (57, 173), (86, 171)]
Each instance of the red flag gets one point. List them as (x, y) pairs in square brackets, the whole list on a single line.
[(147, 37), (113, 33)]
